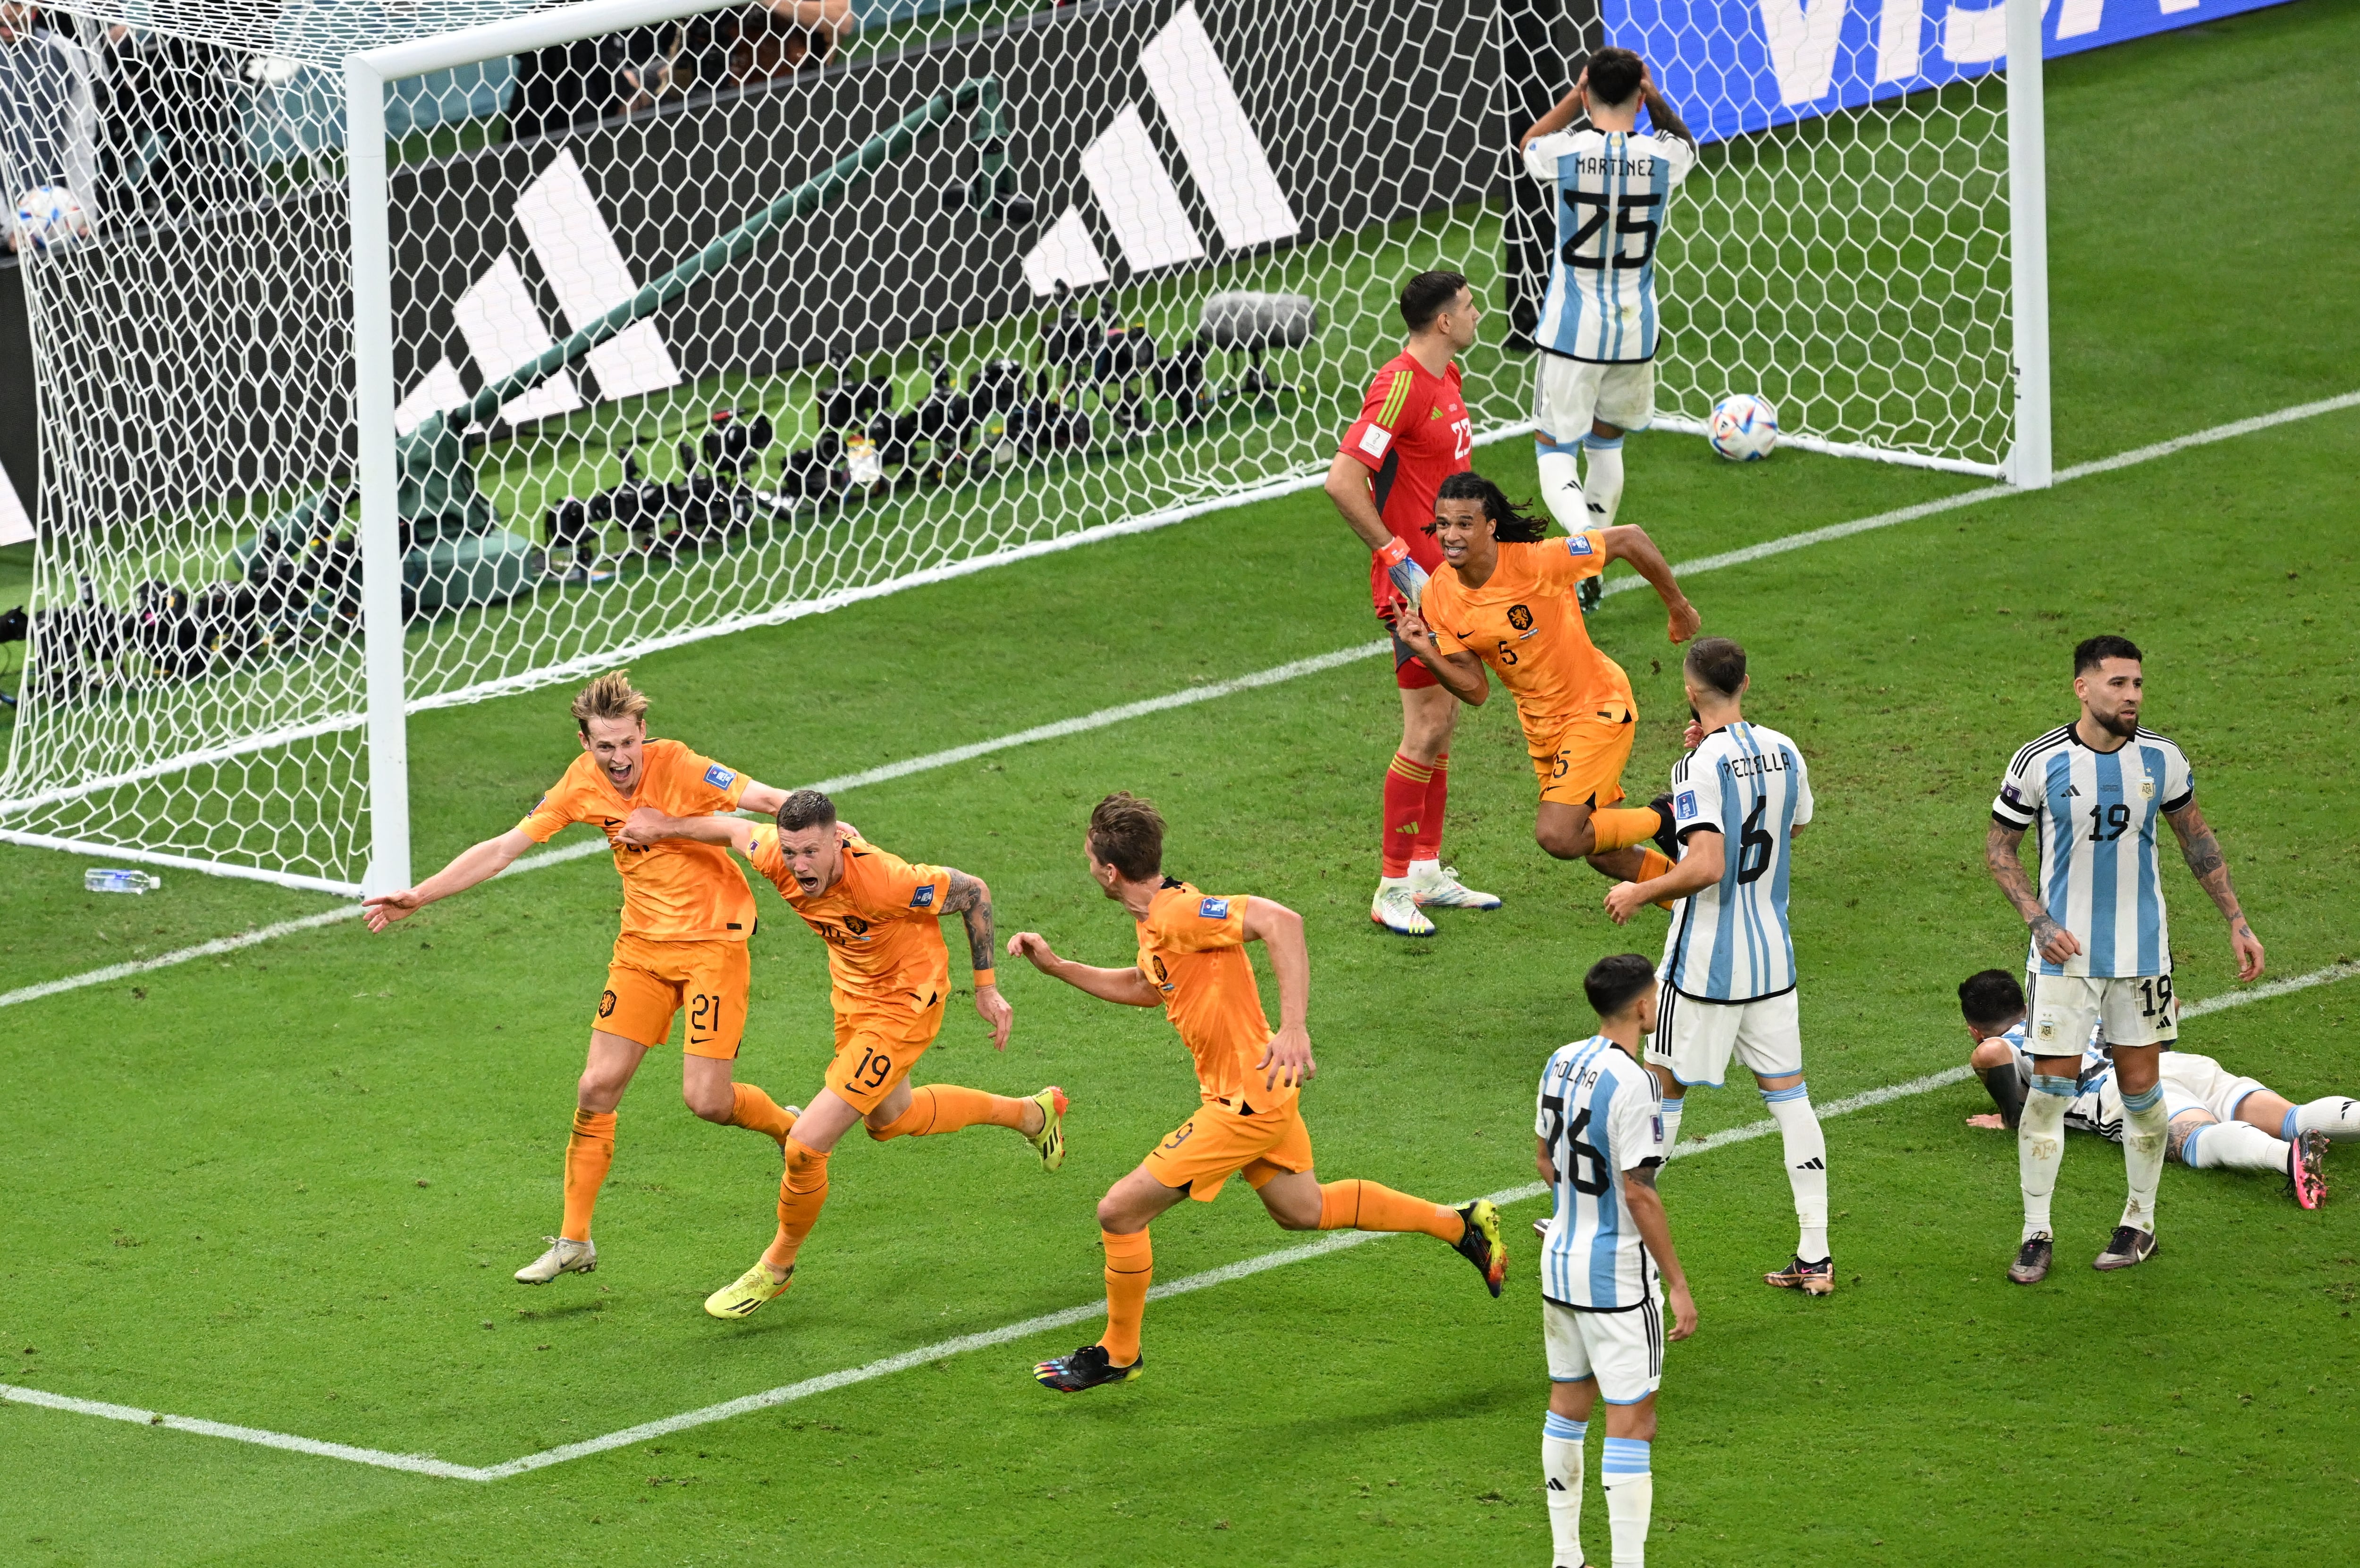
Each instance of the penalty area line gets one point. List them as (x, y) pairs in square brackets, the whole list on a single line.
[(828, 1382)]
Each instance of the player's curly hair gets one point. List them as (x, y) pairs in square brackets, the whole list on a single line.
[(1991, 998), (1127, 833), (611, 696), (1508, 525)]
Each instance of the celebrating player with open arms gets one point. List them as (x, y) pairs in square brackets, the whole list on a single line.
[(1597, 331), (882, 918), (686, 915), (1192, 962), (1505, 600), (2101, 953), (1414, 432)]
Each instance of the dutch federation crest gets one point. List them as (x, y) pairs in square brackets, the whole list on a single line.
[(719, 778), (1521, 617), (1214, 909)]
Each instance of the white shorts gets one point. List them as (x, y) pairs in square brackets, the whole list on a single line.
[(2191, 1082), (1568, 394), (1624, 1351), (1695, 1038), (2065, 1007)]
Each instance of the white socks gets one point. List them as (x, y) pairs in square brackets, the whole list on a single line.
[(1425, 872), (2041, 1148), (1807, 1166), (2232, 1145), (1673, 1106), (2337, 1117), (1629, 1498), (1601, 488), (1561, 485), (1561, 1466), (2146, 1128)]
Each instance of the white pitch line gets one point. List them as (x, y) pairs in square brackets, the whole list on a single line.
[(426, 1464), (1300, 667)]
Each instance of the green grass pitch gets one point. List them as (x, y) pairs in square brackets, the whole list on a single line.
[(285, 1189)]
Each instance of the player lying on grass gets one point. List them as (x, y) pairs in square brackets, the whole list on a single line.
[(1192, 962), (882, 918), (1505, 599), (2101, 950), (2218, 1120), (686, 915), (1599, 1141), (1596, 377), (1739, 799), (1414, 432)]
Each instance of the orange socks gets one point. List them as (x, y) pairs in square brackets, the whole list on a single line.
[(946, 1108), (1619, 828), (758, 1111), (1365, 1206), (1129, 1268), (1653, 864), (802, 1194), (588, 1154)]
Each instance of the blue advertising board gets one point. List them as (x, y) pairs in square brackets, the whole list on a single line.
[(1735, 66)]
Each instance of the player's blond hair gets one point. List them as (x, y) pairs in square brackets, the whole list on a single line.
[(611, 696)]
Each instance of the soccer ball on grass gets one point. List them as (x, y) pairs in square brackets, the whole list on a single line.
[(1744, 428)]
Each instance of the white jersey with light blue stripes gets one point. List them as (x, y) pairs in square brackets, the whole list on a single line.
[(2100, 877), (1730, 942), (1600, 1113), (2097, 1103), (1613, 189)]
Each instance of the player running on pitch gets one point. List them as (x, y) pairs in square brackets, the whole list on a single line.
[(1598, 1140), (1597, 333), (882, 918), (1506, 600), (2219, 1121), (1739, 798), (686, 915), (1414, 432), (1191, 962), (2101, 953)]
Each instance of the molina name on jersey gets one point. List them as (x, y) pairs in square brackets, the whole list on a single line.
[(2100, 875), (1600, 1113), (1730, 942), (1612, 191)]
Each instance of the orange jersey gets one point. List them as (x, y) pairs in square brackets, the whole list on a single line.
[(882, 921), (1523, 623), (673, 891), (1192, 948)]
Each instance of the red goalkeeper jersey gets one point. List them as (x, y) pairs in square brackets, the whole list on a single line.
[(1414, 432)]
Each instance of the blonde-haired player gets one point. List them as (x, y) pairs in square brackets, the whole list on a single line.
[(686, 915), (1192, 962)]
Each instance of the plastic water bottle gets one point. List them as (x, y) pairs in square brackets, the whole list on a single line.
[(107, 880)]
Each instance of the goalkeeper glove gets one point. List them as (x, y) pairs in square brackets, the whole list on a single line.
[(1408, 577)]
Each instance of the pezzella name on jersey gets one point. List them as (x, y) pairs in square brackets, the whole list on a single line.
[(1751, 767)]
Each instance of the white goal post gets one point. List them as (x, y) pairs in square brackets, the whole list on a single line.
[(457, 348)]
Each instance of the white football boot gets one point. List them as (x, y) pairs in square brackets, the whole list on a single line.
[(1441, 889), (1396, 910), (562, 1257)]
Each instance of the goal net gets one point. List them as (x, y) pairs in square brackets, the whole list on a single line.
[(690, 319)]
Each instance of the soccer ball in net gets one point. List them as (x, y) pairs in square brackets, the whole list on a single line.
[(1744, 428), (48, 216)]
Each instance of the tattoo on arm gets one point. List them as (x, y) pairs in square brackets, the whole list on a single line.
[(2205, 861), (1641, 1176), (2007, 870), (971, 901)]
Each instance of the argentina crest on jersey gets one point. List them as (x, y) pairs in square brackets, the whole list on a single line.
[(1730, 942), (1600, 1115)]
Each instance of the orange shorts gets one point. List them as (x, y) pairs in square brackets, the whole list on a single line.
[(649, 983), (1216, 1143), (1581, 763), (877, 1046)]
